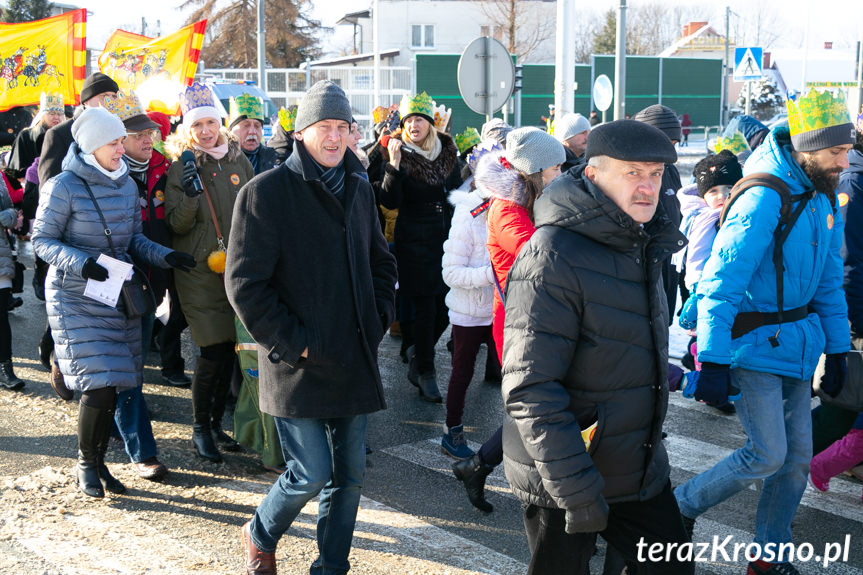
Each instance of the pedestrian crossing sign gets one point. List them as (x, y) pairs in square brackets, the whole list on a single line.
[(747, 64)]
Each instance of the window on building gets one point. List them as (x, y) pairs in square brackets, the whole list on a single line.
[(422, 36), (496, 32)]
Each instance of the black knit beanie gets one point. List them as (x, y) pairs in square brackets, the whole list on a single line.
[(721, 169), (661, 117), (97, 83)]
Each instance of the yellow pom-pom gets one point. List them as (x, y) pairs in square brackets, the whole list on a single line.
[(216, 261)]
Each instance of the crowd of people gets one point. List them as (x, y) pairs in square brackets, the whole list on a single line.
[(563, 251)]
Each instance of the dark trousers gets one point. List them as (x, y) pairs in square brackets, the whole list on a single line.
[(657, 520), (169, 337), (466, 343), (430, 320), (491, 452), (5, 330)]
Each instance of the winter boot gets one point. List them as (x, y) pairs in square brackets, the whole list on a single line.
[(89, 434), (428, 388), (46, 348), (220, 400), (764, 568), (472, 472), (453, 443), (8, 379), (204, 384), (109, 482), (842, 455), (413, 369)]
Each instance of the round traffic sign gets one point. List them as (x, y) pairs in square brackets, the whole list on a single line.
[(486, 75), (603, 92)]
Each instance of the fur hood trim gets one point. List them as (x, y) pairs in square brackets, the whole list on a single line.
[(498, 181), (178, 142), (419, 168)]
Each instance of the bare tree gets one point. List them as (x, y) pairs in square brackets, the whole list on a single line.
[(650, 28), (761, 23), (521, 24)]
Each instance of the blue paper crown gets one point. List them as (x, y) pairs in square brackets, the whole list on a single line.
[(480, 150), (196, 96)]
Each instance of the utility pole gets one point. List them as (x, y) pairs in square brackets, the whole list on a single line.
[(262, 51), (564, 64), (723, 111), (620, 64), (376, 96)]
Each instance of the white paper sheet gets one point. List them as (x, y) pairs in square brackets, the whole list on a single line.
[(108, 291), (163, 312)]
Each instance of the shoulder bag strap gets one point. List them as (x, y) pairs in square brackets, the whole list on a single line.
[(213, 215), (101, 217)]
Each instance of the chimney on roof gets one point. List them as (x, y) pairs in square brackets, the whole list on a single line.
[(766, 61), (692, 28), (828, 45)]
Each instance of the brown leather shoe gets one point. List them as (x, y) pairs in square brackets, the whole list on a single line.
[(257, 562), (151, 469), (59, 385)]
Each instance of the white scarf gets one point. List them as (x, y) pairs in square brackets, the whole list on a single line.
[(91, 160), (428, 155)]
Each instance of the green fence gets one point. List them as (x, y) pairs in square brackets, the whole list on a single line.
[(687, 85)]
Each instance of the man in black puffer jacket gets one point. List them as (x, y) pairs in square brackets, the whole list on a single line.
[(586, 342)]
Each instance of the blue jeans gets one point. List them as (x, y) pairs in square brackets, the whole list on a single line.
[(774, 412), (131, 416), (326, 457)]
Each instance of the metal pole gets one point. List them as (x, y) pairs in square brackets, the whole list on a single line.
[(860, 75), (723, 105), (564, 56), (748, 96), (262, 50), (376, 97), (620, 64), (805, 52), (489, 111)]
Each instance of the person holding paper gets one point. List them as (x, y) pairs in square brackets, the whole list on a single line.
[(98, 348)]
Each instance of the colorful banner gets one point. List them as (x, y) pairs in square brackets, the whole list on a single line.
[(45, 55), (156, 69)]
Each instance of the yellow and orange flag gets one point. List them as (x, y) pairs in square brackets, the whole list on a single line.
[(156, 69), (43, 56)]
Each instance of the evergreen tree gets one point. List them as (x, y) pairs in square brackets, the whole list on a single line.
[(26, 11), (289, 32), (766, 101), (605, 41)]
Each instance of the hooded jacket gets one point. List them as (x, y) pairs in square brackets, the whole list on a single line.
[(698, 224), (740, 275), (95, 345), (850, 200), (586, 341)]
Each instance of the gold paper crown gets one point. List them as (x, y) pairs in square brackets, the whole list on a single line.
[(441, 117), (125, 105), (467, 139), (51, 102), (380, 114), (196, 96), (246, 105), (734, 144), (419, 104), (860, 121), (288, 118), (817, 110)]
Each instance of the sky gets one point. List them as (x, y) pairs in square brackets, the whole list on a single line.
[(838, 20)]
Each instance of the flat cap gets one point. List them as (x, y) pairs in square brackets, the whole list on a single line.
[(630, 141)]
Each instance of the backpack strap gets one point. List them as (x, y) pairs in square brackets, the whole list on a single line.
[(788, 215)]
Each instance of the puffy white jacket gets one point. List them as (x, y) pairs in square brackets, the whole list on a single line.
[(466, 266)]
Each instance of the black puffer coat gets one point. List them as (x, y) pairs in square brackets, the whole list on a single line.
[(586, 340), (419, 190)]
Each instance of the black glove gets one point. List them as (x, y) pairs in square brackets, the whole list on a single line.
[(714, 384), (835, 370), (93, 271), (590, 519), (190, 172), (181, 261)]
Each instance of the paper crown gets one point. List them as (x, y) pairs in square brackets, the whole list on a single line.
[(126, 105), (481, 150), (859, 123), (196, 96), (51, 102), (246, 105), (734, 144), (817, 110), (441, 117), (288, 117), (380, 114), (419, 104), (467, 139)]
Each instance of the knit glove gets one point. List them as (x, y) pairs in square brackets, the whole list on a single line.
[(190, 172), (590, 519), (93, 271), (835, 370), (713, 384), (689, 311), (181, 261)]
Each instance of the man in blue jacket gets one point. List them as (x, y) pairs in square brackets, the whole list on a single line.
[(742, 343)]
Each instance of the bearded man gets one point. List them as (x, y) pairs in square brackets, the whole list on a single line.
[(246, 122), (743, 343)]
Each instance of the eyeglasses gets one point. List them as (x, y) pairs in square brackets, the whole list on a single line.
[(152, 134)]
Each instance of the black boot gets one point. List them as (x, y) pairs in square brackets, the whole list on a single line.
[(89, 435), (428, 387), (204, 384), (220, 400), (472, 472), (46, 348), (109, 482), (8, 379)]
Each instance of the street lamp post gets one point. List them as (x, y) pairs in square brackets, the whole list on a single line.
[(262, 51)]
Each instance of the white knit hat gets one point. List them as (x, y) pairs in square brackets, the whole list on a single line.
[(96, 127), (570, 125), (531, 150)]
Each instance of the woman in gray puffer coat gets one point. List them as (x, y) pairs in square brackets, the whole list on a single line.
[(8, 220), (97, 347)]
